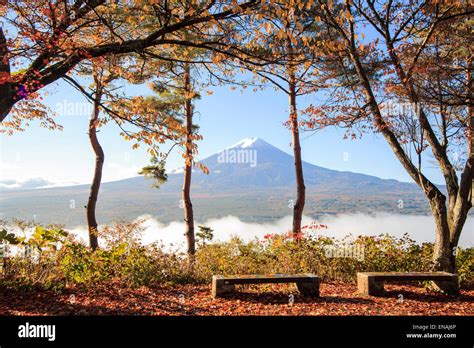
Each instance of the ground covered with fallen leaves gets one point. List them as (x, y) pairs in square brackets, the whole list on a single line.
[(336, 299)]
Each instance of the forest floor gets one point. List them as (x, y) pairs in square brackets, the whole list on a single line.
[(336, 299)]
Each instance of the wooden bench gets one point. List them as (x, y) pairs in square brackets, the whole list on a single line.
[(307, 284), (371, 283)]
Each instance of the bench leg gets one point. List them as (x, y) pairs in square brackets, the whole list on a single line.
[(219, 288), (448, 287), (309, 289), (366, 285)]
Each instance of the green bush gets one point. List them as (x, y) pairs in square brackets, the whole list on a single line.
[(281, 254), (56, 260)]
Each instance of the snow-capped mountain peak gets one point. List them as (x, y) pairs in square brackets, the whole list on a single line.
[(244, 143)]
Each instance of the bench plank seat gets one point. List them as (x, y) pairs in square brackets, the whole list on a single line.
[(308, 284), (371, 283)]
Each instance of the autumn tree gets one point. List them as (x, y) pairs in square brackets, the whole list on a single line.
[(290, 34), (149, 121), (99, 82), (189, 145), (102, 78), (41, 41), (397, 66), (175, 91)]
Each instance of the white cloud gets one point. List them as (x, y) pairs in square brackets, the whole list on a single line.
[(12, 176), (32, 183), (420, 228), (117, 171), (14, 185)]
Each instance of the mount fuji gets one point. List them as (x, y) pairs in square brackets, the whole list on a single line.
[(253, 163), (252, 179)]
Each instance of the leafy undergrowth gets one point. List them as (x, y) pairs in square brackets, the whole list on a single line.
[(336, 299), (53, 274), (51, 258)]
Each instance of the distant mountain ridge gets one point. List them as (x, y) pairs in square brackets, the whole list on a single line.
[(250, 162), (253, 162), (252, 179)]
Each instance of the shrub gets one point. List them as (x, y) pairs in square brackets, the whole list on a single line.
[(56, 260)]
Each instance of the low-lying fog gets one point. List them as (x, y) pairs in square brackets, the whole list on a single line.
[(420, 228)]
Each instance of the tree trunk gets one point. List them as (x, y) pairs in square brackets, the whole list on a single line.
[(6, 98), (443, 253), (470, 128), (300, 188), (188, 207), (99, 162), (448, 224), (5, 109), (449, 232)]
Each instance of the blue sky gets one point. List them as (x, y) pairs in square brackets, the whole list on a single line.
[(225, 117)]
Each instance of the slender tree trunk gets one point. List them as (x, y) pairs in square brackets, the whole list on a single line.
[(5, 109), (470, 128), (99, 163), (300, 188), (188, 206), (6, 98)]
